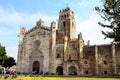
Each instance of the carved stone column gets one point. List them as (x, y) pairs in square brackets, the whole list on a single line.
[(81, 44), (114, 58), (65, 56), (52, 48), (96, 60)]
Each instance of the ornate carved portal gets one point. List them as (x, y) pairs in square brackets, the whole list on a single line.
[(36, 66), (36, 61)]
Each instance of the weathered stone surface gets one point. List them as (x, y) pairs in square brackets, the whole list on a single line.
[(47, 49)]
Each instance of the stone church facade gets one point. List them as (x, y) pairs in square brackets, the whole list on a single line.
[(46, 49)]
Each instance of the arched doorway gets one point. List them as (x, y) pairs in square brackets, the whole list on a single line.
[(36, 67), (59, 70), (72, 70)]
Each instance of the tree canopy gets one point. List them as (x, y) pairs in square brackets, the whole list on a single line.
[(2, 54), (9, 61), (5, 61), (110, 12)]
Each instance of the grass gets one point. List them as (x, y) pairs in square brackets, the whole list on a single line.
[(84, 78), (57, 78), (22, 77), (62, 78)]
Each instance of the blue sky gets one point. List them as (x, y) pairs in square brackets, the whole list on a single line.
[(16, 13)]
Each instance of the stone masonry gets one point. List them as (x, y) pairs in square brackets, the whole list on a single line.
[(44, 49)]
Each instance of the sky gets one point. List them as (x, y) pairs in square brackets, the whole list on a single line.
[(17, 13)]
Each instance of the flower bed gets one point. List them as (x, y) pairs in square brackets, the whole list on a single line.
[(39, 78), (65, 78)]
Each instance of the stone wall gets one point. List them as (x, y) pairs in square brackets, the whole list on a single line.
[(105, 60), (117, 56), (101, 60), (89, 60), (36, 45)]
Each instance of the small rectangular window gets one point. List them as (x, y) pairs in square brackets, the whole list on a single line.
[(58, 56)]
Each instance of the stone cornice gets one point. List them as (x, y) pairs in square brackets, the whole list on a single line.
[(36, 27)]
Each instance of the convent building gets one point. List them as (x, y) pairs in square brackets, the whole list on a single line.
[(47, 49)]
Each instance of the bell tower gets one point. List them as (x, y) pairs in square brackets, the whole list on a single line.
[(66, 23)]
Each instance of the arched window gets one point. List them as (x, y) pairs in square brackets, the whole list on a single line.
[(69, 57), (85, 62), (58, 55), (59, 52), (65, 16), (64, 24), (105, 62)]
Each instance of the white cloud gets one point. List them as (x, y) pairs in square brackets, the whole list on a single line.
[(89, 3), (84, 3), (4, 30), (12, 19), (91, 30)]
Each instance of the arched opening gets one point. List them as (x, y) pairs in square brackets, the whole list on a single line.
[(85, 62), (105, 72), (105, 62), (86, 72), (59, 70), (72, 70), (64, 24), (36, 67), (58, 55)]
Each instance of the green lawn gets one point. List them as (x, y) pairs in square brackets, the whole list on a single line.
[(56, 78), (40, 77), (84, 78)]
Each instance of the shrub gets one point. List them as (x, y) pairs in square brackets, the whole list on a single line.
[(14, 76), (6, 77), (0, 76)]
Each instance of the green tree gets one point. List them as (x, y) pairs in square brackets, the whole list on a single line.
[(9, 61), (5, 61), (3, 55), (110, 12)]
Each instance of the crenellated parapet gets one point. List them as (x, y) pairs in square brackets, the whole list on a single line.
[(66, 13), (34, 28)]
